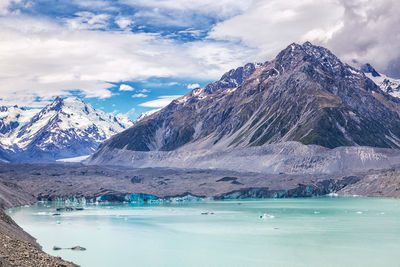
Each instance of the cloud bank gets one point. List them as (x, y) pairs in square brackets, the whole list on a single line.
[(361, 30), (101, 43)]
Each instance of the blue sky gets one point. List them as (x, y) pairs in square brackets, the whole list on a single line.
[(131, 56), (136, 97)]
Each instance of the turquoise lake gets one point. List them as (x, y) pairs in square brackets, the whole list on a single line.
[(343, 231)]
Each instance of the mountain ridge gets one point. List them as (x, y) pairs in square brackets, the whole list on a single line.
[(305, 94)]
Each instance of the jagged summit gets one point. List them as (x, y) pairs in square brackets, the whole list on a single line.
[(367, 68), (232, 78), (306, 94)]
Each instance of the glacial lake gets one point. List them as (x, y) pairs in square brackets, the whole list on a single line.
[(343, 231)]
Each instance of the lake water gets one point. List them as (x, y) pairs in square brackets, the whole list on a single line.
[(293, 232)]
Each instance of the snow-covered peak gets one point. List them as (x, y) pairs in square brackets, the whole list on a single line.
[(387, 84), (65, 128), (123, 119), (73, 113), (12, 119), (145, 115)]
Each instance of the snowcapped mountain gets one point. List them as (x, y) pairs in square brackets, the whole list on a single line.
[(306, 94), (387, 84), (65, 128), (146, 114), (12, 119)]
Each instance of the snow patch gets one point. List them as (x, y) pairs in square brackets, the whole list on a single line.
[(75, 159)]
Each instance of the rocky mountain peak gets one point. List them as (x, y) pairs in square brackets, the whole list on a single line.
[(295, 55), (367, 68), (232, 78), (305, 94)]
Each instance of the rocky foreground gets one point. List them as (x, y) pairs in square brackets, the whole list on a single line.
[(22, 184), (17, 248)]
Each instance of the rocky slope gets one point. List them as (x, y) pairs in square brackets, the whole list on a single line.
[(18, 248), (306, 94), (65, 128), (286, 157)]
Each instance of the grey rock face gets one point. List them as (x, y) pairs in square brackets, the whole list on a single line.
[(367, 68)]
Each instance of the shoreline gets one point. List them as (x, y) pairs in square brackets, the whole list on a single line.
[(19, 248)]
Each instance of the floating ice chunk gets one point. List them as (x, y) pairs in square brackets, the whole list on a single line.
[(207, 213), (267, 216), (359, 212), (333, 194)]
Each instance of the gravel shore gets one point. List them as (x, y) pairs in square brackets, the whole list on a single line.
[(17, 248)]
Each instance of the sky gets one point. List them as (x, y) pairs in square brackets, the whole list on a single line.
[(132, 56)]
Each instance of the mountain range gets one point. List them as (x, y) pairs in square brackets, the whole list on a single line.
[(306, 95), (63, 129)]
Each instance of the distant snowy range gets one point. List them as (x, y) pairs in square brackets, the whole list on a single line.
[(303, 112), (66, 128)]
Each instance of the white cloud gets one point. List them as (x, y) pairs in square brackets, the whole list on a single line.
[(221, 8), (161, 102), (42, 59), (104, 4), (125, 87), (123, 22), (352, 29), (139, 95), (370, 32), (144, 91), (6, 4), (270, 26), (192, 32), (88, 21), (193, 86)]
